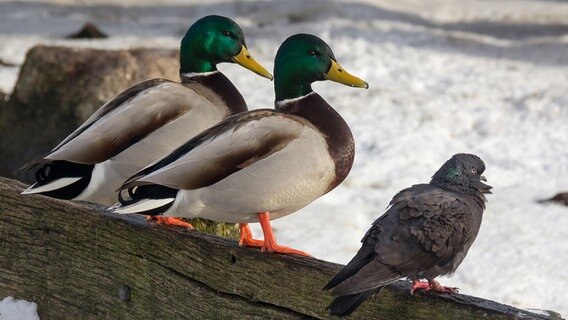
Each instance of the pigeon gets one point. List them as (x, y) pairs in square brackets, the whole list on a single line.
[(426, 232)]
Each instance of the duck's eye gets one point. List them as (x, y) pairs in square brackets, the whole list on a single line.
[(473, 170), (226, 33), (313, 53)]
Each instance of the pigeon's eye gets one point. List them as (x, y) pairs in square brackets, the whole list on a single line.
[(473, 170)]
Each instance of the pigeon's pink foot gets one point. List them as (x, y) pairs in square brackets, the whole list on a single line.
[(417, 284), (432, 285), (170, 221)]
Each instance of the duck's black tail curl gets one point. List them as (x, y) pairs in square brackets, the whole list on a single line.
[(151, 200), (61, 179)]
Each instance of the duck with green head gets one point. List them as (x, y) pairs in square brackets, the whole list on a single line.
[(262, 164), (149, 119)]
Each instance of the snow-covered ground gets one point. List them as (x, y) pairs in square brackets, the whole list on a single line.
[(484, 77), (13, 309)]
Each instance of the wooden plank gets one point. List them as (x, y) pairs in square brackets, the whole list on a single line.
[(76, 261)]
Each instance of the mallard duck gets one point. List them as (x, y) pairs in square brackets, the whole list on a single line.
[(149, 119), (262, 164)]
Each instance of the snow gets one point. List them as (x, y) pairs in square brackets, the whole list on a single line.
[(13, 309), (484, 77)]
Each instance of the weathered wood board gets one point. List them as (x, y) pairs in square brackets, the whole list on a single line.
[(76, 261)]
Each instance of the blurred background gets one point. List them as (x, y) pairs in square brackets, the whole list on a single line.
[(485, 77)]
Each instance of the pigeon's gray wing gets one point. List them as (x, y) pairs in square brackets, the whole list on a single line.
[(426, 231)]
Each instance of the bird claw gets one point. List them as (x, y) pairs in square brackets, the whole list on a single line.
[(246, 239), (170, 221), (433, 285), (274, 248), (269, 245)]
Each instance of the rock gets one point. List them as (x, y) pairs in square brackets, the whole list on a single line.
[(59, 88), (560, 198), (3, 98), (88, 31)]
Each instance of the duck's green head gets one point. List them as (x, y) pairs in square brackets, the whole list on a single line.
[(212, 40), (303, 59)]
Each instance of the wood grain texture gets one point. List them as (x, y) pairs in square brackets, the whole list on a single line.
[(73, 259)]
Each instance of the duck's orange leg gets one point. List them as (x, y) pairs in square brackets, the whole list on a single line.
[(270, 244), (170, 221), (246, 238)]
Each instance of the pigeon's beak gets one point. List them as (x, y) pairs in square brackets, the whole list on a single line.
[(482, 187)]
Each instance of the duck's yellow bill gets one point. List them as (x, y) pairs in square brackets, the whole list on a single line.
[(246, 60), (338, 74)]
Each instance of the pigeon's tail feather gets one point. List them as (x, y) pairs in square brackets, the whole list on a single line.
[(346, 305), (374, 275), (361, 259), (61, 179), (149, 200)]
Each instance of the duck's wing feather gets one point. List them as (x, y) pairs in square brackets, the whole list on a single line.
[(117, 126), (121, 100), (113, 104), (222, 150)]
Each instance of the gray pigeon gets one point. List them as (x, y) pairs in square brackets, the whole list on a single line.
[(425, 233)]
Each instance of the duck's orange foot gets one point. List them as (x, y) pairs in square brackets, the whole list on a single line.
[(270, 244), (170, 221), (275, 248), (246, 238), (432, 285)]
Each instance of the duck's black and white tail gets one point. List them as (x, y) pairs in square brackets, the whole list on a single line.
[(149, 200), (60, 179)]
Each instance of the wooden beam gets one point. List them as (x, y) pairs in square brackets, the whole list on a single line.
[(77, 261)]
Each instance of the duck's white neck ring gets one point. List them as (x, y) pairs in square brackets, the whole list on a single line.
[(288, 101), (189, 75)]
